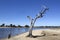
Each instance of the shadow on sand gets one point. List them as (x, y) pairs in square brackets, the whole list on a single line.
[(35, 36)]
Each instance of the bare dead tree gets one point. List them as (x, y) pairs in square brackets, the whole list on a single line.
[(40, 15)]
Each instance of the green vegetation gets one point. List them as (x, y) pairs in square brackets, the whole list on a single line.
[(19, 26), (2, 25), (27, 26), (11, 25)]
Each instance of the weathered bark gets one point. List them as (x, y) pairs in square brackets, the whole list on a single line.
[(34, 20), (30, 30)]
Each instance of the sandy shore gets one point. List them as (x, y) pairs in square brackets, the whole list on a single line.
[(50, 34)]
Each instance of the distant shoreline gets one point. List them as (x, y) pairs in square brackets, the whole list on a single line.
[(28, 27)]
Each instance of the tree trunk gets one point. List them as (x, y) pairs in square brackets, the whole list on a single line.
[(30, 31)]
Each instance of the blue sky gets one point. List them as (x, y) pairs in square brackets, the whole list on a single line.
[(15, 12)]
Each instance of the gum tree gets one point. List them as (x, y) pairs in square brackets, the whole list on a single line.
[(32, 21)]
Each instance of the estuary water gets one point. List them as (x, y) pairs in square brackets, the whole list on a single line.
[(4, 32)]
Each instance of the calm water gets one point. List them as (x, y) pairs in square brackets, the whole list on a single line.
[(4, 32)]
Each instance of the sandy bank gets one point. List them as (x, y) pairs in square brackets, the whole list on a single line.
[(50, 35)]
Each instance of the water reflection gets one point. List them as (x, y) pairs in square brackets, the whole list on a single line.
[(4, 32)]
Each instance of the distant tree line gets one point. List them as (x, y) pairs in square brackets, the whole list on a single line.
[(12, 25), (27, 26)]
